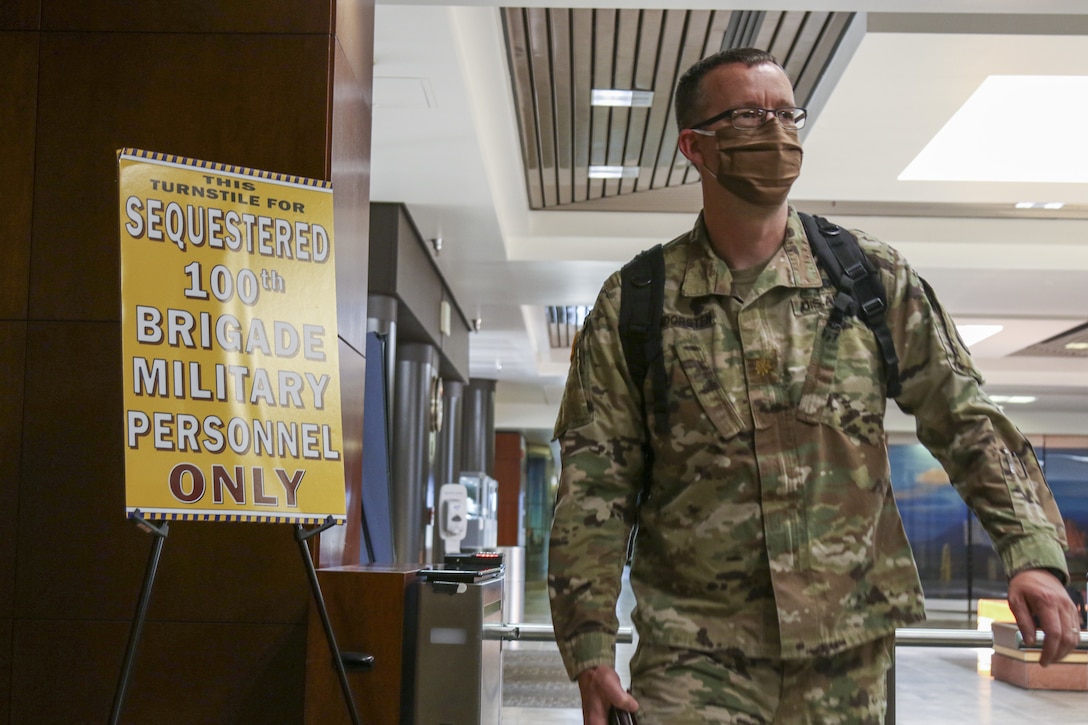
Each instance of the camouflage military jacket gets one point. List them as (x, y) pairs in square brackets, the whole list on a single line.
[(770, 525)]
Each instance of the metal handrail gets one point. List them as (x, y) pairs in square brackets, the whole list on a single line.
[(904, 636), (523, 632)]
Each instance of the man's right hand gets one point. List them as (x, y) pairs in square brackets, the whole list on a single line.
[(601, 689)]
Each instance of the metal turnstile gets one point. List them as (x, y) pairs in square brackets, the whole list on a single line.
[(458, 676)]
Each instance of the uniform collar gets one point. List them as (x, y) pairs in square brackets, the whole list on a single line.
[(792, 265)]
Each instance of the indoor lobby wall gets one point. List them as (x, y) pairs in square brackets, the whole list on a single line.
[(280, 86)]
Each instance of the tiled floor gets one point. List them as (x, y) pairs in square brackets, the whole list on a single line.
[(934, 686)]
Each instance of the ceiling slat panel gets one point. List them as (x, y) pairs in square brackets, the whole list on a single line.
[(768, 28), (604, 36), (541, 68), (821, 55), (659, 117), (649, 38), (743, 29), (692, 50), (715, 36), (789, 24), (582, 55), (563, 102), (717, 39), (623, 77), (517, 49), (557, 56), (808, 34)]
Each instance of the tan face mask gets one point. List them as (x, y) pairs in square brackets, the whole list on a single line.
[(759, 166)]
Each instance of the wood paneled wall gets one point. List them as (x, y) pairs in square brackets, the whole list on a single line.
[(510, 474), (283, 86)]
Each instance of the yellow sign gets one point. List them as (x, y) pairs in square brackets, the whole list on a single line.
[(229, 340)]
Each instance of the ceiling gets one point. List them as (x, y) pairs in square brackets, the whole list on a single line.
[(482, 128)]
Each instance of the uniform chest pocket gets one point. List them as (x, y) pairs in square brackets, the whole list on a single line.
[(703, 385), (844, 383)]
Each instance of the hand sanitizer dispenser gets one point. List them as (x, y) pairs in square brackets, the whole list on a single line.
[(452, 515)]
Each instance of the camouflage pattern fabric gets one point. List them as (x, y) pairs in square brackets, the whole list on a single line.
[(770, 527), (682, 687)]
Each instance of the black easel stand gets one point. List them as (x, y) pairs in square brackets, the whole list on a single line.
[(141, 610), (301, 536)]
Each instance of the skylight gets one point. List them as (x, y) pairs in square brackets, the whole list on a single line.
[(972, 334), (1013, 129)]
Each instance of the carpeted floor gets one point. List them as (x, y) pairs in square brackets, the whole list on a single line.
[(536, 678)]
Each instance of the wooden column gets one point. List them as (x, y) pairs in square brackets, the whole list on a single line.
[(510, 473), (277, 86)]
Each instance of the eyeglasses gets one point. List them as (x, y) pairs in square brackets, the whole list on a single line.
[(746, 119)]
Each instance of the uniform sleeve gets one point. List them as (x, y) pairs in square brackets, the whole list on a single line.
[(989, 461), (600, 434)]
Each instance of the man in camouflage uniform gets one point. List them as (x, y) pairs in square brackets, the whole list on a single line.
[(770, 568)]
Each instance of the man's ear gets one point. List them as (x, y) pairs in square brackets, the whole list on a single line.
[(688, 143)]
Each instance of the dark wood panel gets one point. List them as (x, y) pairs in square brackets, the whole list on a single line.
[(258, 101), (339, 545), (350, 172), (12, 364), (370, 609), (195, 16), (6, 626), (354, 31), (20, 15), (509, 456), (66, 672), (78, 555), (19, 89), (71, 480)]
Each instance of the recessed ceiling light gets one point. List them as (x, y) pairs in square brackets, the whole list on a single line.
[(613, 172), (1039, 204), (1013, 399), (1076, 346), (616, 97), (987, 140), (971, 334)]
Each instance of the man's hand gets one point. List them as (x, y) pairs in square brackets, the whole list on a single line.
[(601, 688), (1036, 593)]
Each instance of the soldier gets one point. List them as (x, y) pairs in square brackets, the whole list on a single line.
[(770, 568)]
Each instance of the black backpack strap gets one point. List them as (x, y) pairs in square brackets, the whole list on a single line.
[(642, 303), (860, 290)]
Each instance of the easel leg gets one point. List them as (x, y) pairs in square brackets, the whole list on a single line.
[(141, 610), (302, 535)]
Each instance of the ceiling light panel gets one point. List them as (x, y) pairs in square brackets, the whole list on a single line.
[(616, 97), (558, 58), (999, 134), (613, 172)]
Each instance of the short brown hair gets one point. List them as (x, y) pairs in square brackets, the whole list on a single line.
[(686, 101)]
